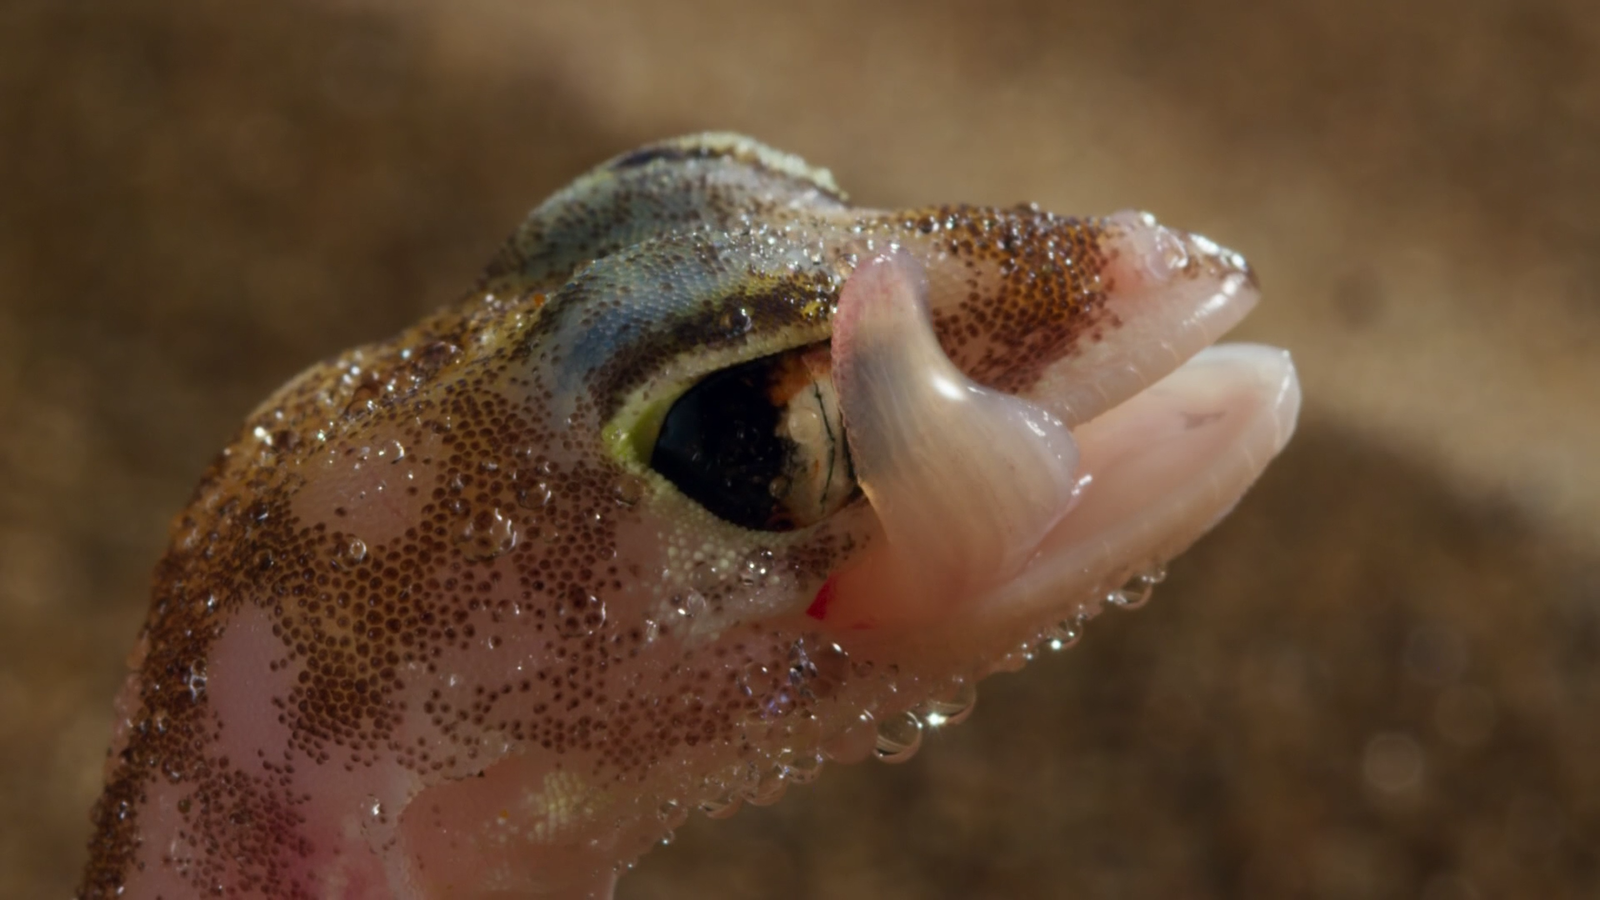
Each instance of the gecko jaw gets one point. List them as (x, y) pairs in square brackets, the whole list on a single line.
[(998, 519), (1158, 470)]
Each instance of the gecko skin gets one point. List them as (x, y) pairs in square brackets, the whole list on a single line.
[(712, 478)]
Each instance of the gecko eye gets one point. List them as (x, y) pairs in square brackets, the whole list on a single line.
[(760, 444)]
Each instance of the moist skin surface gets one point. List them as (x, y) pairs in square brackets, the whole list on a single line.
[(712, 478)]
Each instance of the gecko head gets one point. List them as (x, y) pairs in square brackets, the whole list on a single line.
[(872, 455), (714, 477), (943, 434)]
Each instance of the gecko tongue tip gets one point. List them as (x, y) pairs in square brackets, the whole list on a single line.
[(965, 481)]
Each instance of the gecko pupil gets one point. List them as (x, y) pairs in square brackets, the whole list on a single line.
[(760, 444)]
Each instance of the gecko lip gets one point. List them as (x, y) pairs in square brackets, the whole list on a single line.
[(1170, 294), (1159, 470), (1005, 512)]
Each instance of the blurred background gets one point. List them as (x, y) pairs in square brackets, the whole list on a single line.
[(1379, 679)]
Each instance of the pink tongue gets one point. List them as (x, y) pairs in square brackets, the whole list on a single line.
[(966, 481)]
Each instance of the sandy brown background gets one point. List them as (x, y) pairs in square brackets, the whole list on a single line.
[(1380, 678)]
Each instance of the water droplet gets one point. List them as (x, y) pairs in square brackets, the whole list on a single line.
[(579, 614), (195, 681), (854, 742), (818, 667), (804, 769), (898, 737), (703, 578), (1137, 591), (953, 707), (1016, 660), (755, 567), (364, 398), (487, 535), (1065, 634), (736, 322), (375, 807), (671, 813), (721, 807), (393, 451), (354, 551), (432, 357), (629, 490), (768, 790), (531, 492), (754, 679), (690, 604)]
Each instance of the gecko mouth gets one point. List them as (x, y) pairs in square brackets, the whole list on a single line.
[(1003, 512)]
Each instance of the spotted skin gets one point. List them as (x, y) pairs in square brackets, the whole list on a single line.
[(440, 563)]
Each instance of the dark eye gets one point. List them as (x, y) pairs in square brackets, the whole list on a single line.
[(760, 444)]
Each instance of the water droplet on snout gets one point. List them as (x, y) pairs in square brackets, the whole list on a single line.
[(898, 737), (487, 535)]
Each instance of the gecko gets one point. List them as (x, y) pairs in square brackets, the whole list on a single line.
[(713, 478)]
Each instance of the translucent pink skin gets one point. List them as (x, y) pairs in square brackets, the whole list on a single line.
[(711, 665)]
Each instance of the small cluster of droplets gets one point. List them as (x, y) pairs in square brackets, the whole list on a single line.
[(899, 736), (1136, 592)]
